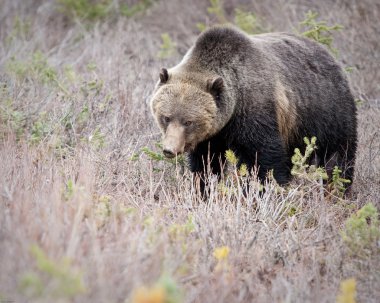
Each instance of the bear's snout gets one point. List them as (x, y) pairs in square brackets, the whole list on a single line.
[(174, 141), (168, 153)]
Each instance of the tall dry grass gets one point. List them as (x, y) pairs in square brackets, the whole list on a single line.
[(71, 183)]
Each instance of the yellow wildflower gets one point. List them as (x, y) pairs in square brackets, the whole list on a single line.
[(231, 157), (221, 253), (347, 291), (149, 295)]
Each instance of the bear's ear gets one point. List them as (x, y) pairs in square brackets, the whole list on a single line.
[(215, 86), (164, 76)]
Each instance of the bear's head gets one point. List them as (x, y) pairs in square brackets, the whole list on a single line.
[(187, 110)]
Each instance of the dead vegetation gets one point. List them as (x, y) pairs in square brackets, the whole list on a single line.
[(87, 216)]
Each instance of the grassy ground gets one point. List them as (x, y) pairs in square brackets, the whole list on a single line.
[(87, 216)]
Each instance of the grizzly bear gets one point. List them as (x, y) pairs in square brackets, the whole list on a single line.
[(259, 96)]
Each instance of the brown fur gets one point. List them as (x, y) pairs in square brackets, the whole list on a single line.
[(259, 96), (286, 113), (192, 105)]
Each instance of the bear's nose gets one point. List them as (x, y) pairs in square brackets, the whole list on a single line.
[(168, 153)]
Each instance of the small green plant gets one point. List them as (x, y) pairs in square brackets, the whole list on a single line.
[(292, 210), (158, 156), (201, 26), (39, 130), (11, 119), (181, 231), (319, 30), (231, 157), (153, 155), (337, 184), (20, 30), (91, 66), (93, 87), (68, 192), (233, 160), (248, 22), (235, 175), (83, 116), (167, 48), (35, 68), (359, 102), (85, 9), (131, 10), (245, 20), (349, 69), (102, 210), (217, 10), (98, 10), (301, 168), (70, 74), (97, 139), (52, 279), (362, 231)]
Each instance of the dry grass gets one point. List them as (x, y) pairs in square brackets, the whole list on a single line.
[(125, 221)]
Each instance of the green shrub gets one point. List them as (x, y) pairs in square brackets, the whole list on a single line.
[(85, 9), (248, 22), (158, 156), (11, 119), (40, 129), (361, 233), (91, 11), (319, 30), (36, 68), (217, 10), (233, 160), (131, 10), (68, 192), (52, 279), (181, 231), (301, 167), (337, 184), (20, 30), (245, 20), (167, 48), (97, 139)]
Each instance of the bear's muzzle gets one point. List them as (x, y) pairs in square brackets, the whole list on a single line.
[(174, 140)]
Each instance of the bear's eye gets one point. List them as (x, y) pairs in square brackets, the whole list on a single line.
[(165, 119), (188, 123)]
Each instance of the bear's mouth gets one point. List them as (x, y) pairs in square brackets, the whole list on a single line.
[(187, 149), (169, 154)]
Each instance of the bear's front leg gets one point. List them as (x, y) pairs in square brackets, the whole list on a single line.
[(207, 158), (266, 156)]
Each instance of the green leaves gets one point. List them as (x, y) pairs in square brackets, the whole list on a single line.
[(319, 30), (245, 20), (301, 167), (158, 156), (52, 279), (84, 9), (167, 48), (361, 233), (248, 22), (337, 183), (91, 11)]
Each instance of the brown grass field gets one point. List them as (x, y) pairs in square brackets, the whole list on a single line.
[(87, 216)]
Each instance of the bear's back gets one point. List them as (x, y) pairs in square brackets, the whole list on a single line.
[(224, 47)]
